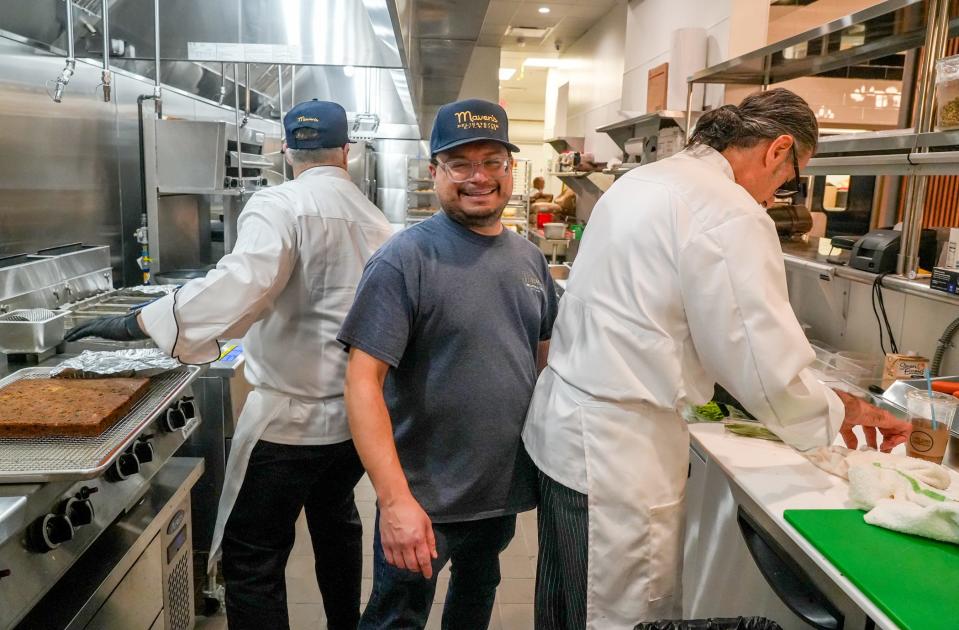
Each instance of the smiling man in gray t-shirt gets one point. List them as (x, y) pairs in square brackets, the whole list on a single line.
[(446, 332)]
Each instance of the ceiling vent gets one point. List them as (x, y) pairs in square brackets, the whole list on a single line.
[(529, 33)]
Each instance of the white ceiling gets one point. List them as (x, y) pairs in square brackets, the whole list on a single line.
[(568, 20)]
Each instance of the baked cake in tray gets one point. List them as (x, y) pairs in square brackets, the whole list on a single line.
[(75, 407)]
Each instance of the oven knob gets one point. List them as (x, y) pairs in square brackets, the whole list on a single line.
[(49, 532), (126, 466), (80, 512), (188, 407), (174, 419), (5, 573), (144, 451)]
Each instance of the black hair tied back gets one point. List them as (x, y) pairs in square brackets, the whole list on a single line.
[(718, 128), (761, 116)]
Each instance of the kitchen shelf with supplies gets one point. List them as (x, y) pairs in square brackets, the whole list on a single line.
[(868, 35), (648, 137), (516, 213), (421, 202)]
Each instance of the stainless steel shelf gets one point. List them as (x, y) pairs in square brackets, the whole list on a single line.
[(919, 163), (891, 27), (568, 143), (798, 258), (895, 140), (645, 126)]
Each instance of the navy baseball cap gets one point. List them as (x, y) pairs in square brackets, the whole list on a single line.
[(472, 120), (329, 120)]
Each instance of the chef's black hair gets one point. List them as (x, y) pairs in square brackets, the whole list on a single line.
[(761, 116)]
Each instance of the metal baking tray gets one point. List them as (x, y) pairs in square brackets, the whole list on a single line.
[(44, 459), (31, 330)]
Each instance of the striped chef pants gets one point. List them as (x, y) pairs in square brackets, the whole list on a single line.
[(563, 526)]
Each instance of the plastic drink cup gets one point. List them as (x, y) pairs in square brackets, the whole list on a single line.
[(929, 437)]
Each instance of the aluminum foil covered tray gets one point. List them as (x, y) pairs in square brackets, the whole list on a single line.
[(125, 363)]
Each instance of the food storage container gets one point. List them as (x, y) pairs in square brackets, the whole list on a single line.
[(947, 93), (31, 331), (555, 231)]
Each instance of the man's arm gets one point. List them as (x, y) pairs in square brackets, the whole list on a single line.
[(542, 353), (406, 531), (188, 324)]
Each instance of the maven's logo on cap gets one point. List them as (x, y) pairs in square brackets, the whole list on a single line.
[(327, 120), (469, 120)]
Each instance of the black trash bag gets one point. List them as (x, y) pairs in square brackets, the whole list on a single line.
[(738, 623)]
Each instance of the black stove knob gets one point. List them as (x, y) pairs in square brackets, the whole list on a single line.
[(174, 419), (188, 407), (80, 512), (49, 532), (144, 451), (5, 573), (126, 466)]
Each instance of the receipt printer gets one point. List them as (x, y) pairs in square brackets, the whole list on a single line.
[(876, 252)]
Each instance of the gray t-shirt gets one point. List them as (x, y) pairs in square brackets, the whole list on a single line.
[(458, 316)]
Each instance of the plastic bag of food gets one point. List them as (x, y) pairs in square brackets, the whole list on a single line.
[(947, 92)]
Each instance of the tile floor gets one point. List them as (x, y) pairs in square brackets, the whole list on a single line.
[(514, 599)]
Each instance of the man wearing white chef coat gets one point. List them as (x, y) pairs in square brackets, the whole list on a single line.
[(287, 286), (678, 284)]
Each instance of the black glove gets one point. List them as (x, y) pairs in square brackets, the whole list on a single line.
[(115, 328)]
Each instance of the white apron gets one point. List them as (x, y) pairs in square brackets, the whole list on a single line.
[(637, 460), (260, 409)]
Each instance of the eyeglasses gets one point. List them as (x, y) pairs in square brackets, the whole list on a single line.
[(460, 171), (792, 187)]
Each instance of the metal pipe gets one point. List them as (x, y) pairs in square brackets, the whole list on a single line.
[(907, 264), (71, 62), (246, 109), (279, 98), (292, 87), (236, 114), (105, 28), (157, 96), (220, 100)]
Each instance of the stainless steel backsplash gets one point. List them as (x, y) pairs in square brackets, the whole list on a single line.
[(69, 171)]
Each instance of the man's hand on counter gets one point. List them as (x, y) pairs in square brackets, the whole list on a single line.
[(872, 420), (114, 327)]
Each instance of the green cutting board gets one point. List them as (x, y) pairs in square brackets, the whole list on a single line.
[(914, 580)]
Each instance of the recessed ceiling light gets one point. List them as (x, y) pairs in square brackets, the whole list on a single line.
[(544, 10), (505, 74)]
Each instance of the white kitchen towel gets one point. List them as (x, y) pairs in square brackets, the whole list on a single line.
[(900, 493), (837, 460), (900, 502)]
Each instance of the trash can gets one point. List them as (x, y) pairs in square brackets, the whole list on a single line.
[(737, 623)]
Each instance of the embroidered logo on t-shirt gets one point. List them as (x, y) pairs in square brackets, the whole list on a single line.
[(533, 282)]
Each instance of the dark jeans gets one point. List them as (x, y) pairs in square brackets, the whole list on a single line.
[(401, 599), (563, 522), (280, 481)]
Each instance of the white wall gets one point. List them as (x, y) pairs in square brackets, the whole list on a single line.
[(482, 75), (649, 28), (594, 74)]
